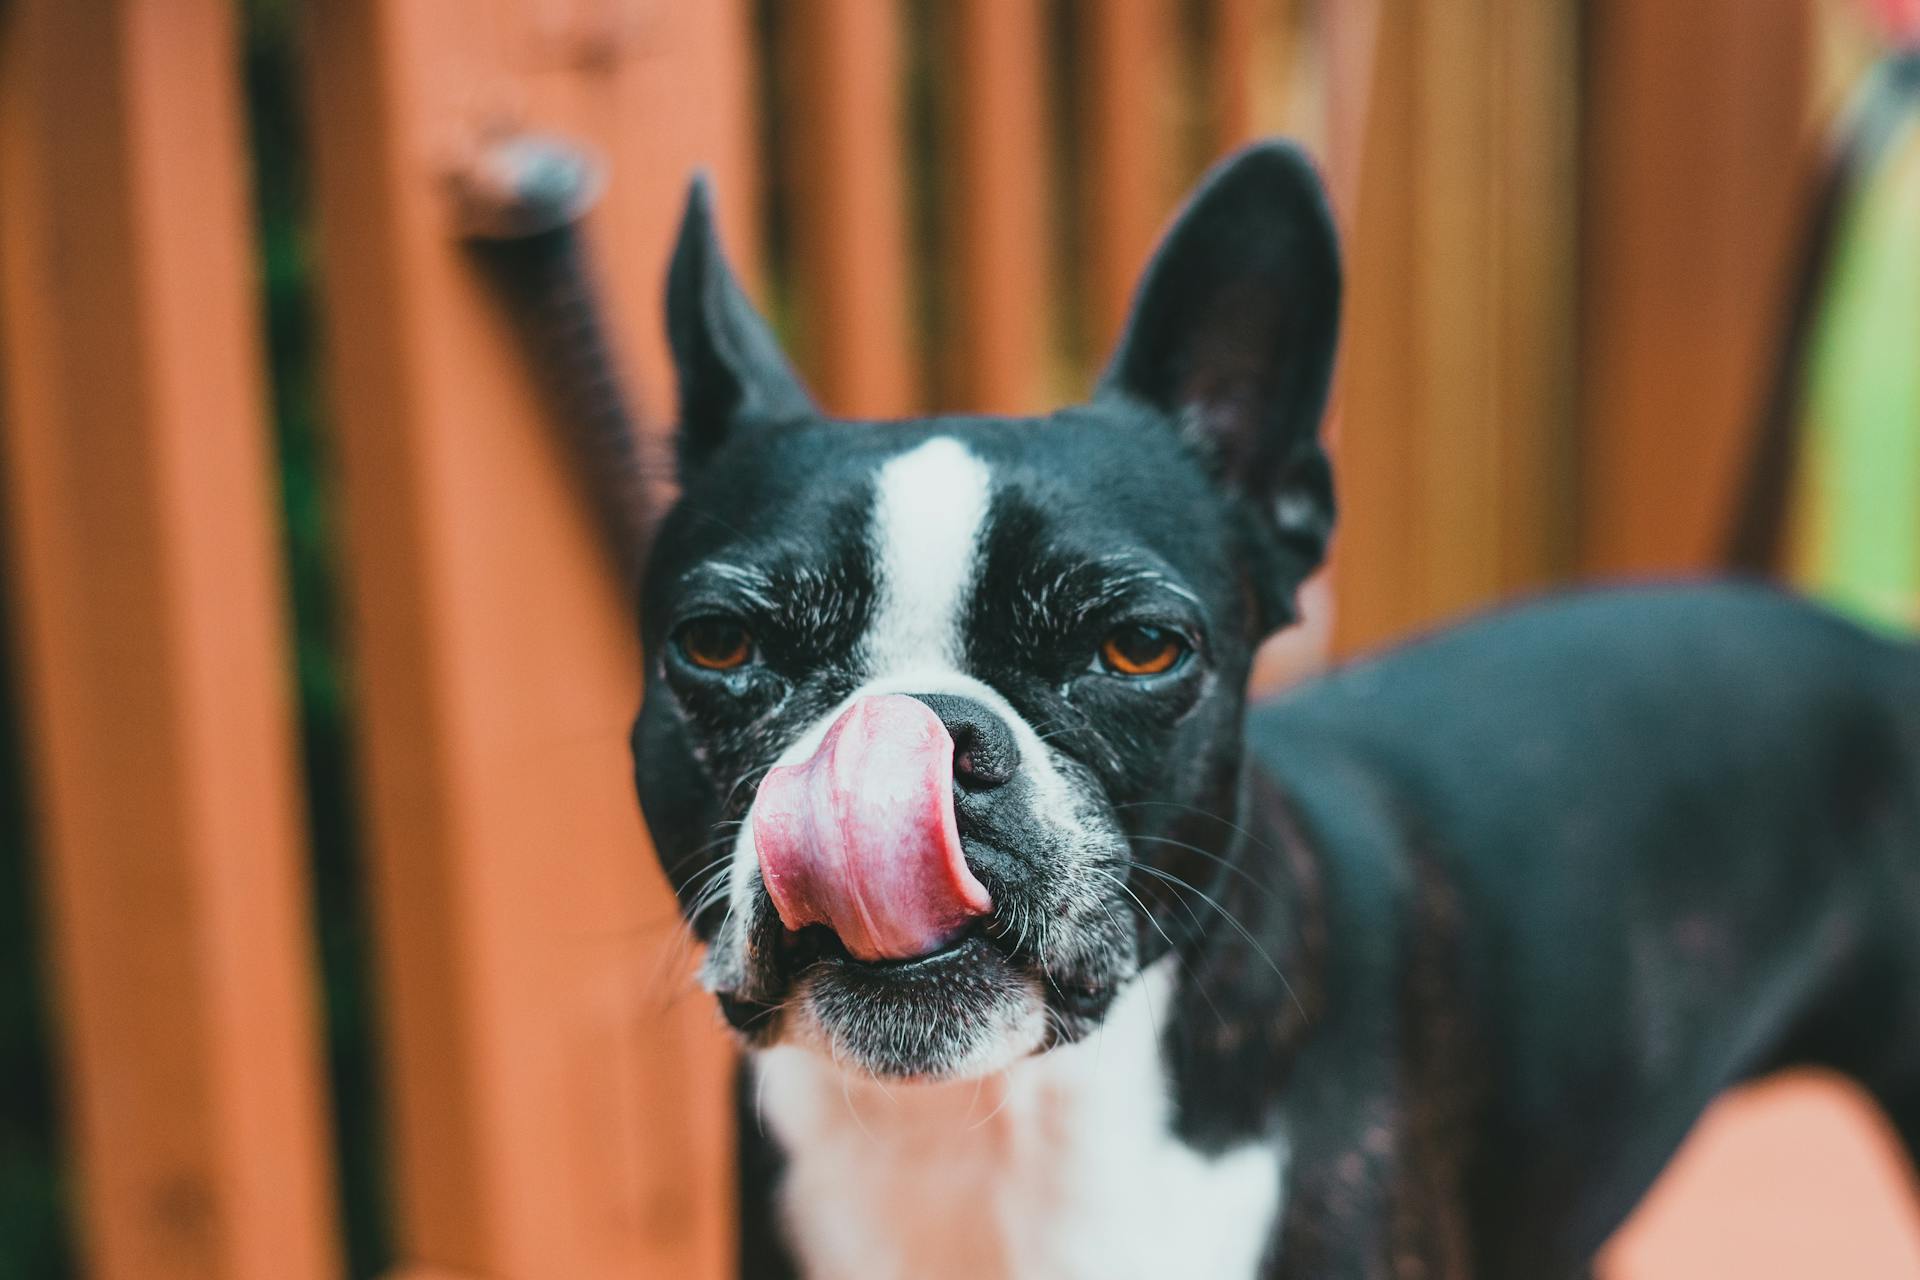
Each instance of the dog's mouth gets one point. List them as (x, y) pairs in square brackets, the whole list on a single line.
[(1004, 988), (965, 1009), (969, 1007), (910, 903)]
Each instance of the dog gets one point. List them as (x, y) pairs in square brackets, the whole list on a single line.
[(1054, 957)]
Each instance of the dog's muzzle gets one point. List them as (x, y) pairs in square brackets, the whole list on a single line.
[(862, 837)]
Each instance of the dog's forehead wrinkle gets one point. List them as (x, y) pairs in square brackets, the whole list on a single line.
[(745, 578), (1069, 586)]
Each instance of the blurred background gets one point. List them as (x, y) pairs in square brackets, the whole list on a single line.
[(330, 944)]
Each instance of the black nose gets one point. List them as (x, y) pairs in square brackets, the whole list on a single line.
[(985, 754)]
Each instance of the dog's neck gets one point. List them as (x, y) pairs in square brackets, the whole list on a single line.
[(1064, 1164)]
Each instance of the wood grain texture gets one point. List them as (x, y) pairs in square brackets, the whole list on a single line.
[(1697, 157), (1455, 423), (843, 130), (1128, 180), (560, 1094), (153, 649), (1000, 241)]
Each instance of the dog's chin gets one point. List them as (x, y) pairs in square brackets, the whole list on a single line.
[(972, 1009), (963, 1012)]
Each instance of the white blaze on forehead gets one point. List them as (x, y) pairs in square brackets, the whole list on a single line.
[(929, 506)]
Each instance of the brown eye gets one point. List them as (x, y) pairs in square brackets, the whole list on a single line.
[(1136, 650), (715, 644)]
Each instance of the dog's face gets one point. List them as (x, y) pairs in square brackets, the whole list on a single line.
[(942, 725)]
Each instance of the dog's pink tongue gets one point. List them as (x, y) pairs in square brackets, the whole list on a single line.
[(861, 837)]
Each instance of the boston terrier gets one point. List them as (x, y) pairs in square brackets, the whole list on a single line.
[(1054, 957)]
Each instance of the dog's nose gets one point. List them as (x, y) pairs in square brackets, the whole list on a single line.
[(861, 836), (985, 754)]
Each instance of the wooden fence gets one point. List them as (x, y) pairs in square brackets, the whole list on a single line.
[(945, 202)]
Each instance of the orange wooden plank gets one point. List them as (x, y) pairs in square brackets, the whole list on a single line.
[(1795, 1177), (1127, 50), (1374, 582), (1698, 157), (560, 1103), (844, 134), (999, 187), (1534, 224), (1233, 45), (154, 651), (1350, 38), (1455, 501), (1454, 425)]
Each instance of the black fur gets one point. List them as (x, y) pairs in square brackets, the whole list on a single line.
[(1481, 925), (1610, 854)]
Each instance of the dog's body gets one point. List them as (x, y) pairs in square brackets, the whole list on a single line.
[(1058, 961), (1535, 945)]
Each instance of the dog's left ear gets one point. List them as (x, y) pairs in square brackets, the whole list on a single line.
[(1232, 337)]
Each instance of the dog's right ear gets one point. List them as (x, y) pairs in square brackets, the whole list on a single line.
[(729, 364), (1232, 341)]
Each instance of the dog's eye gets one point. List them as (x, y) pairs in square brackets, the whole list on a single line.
[(1138, 650), (714, 644)]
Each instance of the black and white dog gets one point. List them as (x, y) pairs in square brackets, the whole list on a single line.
[(1057, 959)]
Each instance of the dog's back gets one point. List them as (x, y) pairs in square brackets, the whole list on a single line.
[(1678, 835)]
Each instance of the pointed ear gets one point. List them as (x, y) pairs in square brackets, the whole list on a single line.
[(729, 364), (1232, 338)]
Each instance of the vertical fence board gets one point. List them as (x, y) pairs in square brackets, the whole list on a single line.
[(850, 208), (1453, 440), (1455, 506), (1126, 51), (1351, 44), (560, 1106), (1534, 217), (1696, 152), (1374, 582), (1233, 50), (999, 187), (154, 646)]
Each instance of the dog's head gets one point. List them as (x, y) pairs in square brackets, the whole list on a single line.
[(937, 710)]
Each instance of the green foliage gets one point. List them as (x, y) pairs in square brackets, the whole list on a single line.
[(34, 1241), (1860, 525)]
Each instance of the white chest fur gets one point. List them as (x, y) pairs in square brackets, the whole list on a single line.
[(1062, 1167)]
